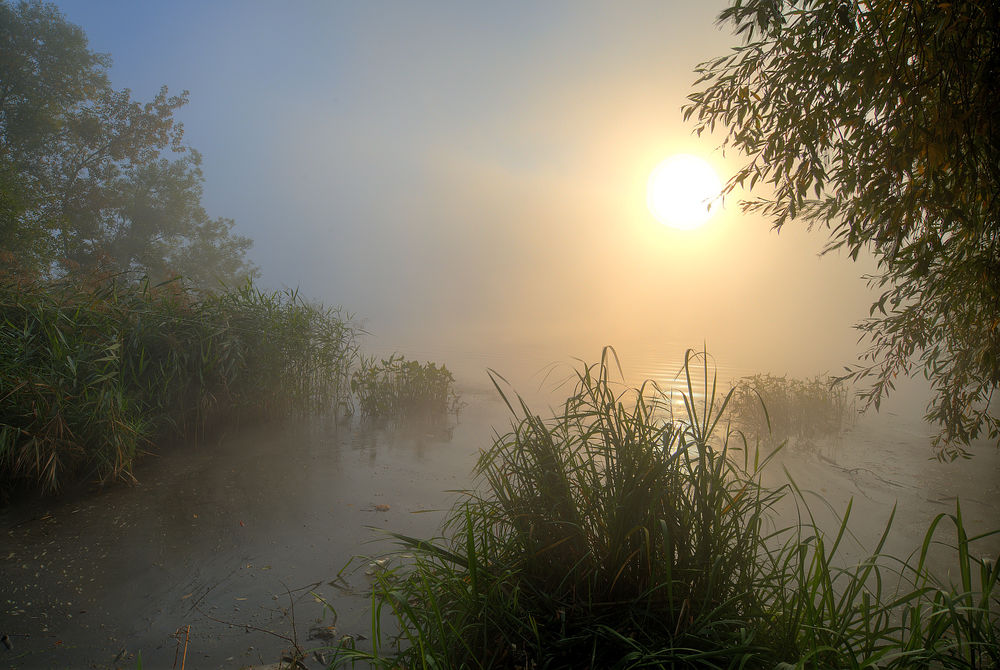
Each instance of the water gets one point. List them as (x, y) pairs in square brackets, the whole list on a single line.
[(230, 547), (231, 539)]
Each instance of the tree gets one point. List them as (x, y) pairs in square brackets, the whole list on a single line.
[(88, 176), (877, 122)]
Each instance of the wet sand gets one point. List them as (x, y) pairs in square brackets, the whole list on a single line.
[(220, 543)]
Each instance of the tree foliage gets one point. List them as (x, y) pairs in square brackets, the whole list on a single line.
[(877, 121), (91, 177)]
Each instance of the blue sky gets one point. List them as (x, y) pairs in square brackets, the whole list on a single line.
[(469, 177)]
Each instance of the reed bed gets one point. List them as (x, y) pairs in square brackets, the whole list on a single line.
[(396, 386), (775, 409), (617, 535), (94, 368)]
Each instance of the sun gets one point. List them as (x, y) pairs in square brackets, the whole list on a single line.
[(683, 192)]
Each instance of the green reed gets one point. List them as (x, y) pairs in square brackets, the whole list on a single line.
[(616, 535), (396, 386), (94, 368), (778, 408)]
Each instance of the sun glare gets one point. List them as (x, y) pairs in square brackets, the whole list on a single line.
[(683, 191)]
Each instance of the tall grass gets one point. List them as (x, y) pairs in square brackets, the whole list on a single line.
[(396, 386), (615, 535), (776, 409), (93, 368)]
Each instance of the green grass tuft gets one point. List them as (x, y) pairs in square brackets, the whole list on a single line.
[(775, 409), (396, 386), (616, 535)]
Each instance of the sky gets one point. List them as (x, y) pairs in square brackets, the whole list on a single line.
[(468, 179)]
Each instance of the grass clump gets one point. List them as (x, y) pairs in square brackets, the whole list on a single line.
[(396, 386), (616, 535), (94, 368), (776, 409)]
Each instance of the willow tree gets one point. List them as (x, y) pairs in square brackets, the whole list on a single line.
[(877, 122)]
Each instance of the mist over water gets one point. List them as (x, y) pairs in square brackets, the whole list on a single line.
[(487, 209)]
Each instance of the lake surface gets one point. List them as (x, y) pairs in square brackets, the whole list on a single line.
[(224, 536), (220, 543)]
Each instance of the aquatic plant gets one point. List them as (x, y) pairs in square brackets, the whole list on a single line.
[(396, 386), (775, 409), (94, 367), (617, 535)]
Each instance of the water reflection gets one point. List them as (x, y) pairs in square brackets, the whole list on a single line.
[(413, 435), (224, 538)]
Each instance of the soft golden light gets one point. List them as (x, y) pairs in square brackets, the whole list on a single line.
[(683, 192)]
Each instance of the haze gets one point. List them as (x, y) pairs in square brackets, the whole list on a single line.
[(469, 181)]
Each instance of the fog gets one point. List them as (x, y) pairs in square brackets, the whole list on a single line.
[(469, 182)]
